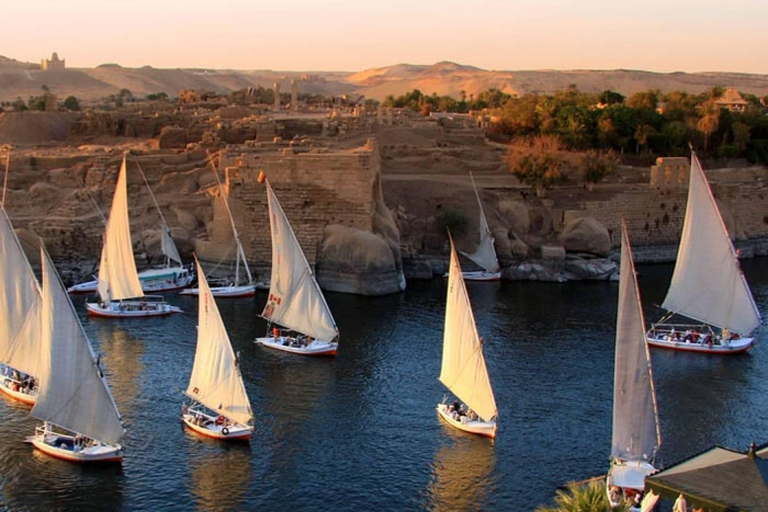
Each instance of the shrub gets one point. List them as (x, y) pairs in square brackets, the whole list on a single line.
[(452, 220)]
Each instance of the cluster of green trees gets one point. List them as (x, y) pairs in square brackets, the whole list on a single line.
[(38, 103), (419, 102), (646, 122)]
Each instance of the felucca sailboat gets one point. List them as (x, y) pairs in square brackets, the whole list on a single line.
[(485, 253), (20, 300), (119, 287), (172, 275), (463, 371), (81, 420), (636, 431), (295, 301), (707, 284), (216, 384), (234, 289)]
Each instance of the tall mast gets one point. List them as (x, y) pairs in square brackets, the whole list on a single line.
[(240, 252), (166, 230)]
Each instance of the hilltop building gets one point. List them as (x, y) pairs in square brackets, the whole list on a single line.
[(54, 63), (732, 100)]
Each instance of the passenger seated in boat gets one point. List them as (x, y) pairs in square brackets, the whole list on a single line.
[(695, 336), (615, 494), (220, 420), (275, 332), (687, 337)]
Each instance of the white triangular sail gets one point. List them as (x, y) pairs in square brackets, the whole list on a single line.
[(707, 284), (485, 254), (118, 278), (295, 300), (73, 393), (463, 370), (167, 246), (19, 303), (216, 381), (636, 433)]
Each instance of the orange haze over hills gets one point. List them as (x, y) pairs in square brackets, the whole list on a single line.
[(19, 79)]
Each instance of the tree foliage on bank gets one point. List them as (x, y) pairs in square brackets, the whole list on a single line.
[(424, 104), (590, 497), (645, 124)]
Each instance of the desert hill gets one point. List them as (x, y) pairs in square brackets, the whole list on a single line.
[(18, 79)]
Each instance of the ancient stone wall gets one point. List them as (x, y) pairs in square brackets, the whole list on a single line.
[(655, 217), (314, 188)]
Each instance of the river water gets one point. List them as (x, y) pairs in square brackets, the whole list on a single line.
[(359, 432)]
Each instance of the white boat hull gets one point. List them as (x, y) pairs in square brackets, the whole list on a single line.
[(213, 430), (63, 447), (479, 427), (13, 390), (231, 292), (289, 344), (732, 347), (479, 275), (131, 309), (152, 281)]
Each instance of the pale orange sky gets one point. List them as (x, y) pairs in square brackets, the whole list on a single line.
[(656, 35)]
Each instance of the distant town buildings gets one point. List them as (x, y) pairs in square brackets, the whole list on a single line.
[(53, 63), (732, 100)]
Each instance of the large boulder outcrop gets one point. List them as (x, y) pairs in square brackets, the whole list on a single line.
[(356, 261), (516, 216), (586, 234)]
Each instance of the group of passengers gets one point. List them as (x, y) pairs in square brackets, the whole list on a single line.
[(15, 381), (298, 341), (631, 496), (694, 336), (457, 411)]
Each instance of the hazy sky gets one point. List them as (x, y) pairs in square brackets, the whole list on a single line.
[(657, 35)]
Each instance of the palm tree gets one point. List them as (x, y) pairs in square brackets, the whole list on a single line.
[(590, 497), (710, 119)]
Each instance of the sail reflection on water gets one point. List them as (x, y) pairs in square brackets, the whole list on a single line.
[(464, 475), (220, 479), (122, 354)]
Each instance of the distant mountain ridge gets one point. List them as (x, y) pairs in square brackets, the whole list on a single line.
[(20, 79)]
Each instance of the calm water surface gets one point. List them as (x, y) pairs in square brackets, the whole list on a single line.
[(359, 432)]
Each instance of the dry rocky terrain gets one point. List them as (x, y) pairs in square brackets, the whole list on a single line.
[(19, 79), (63, 165)]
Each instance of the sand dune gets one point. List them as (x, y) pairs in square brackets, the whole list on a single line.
[(18, 79)]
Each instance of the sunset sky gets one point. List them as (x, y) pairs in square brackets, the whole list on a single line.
[(656, 35)]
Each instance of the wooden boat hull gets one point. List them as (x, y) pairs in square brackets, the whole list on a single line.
[(316, 348), (481, 428), (213, 431), (6, 387), (225, 292), (733, 347), (131, 309), (100, 453)]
